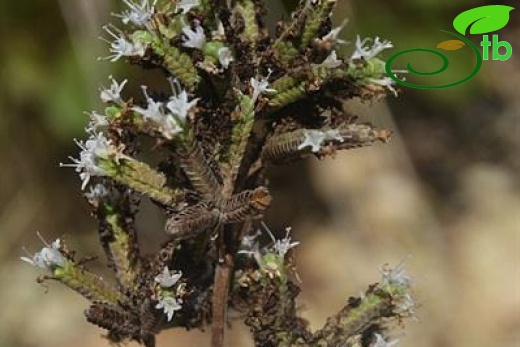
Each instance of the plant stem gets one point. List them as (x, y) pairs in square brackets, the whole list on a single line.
[(221, 283), (220, 298)]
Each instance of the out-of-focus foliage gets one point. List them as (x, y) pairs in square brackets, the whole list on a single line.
[(39, 67)]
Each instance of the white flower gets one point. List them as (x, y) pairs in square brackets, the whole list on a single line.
[(225, 57), (96, 121), (194, 38), (395, 276), (249, 244), (334, 33), (313, 138), (49, 257), (139, 15), (96, 193), (169, 305), (186, 5), (332, 61), (121, 47), (380, 341), (366, 52), (154, 111), (386, 82), (178, 103), (97, 146), (167, 278), (284, 245), (260, 85), (113, 94)]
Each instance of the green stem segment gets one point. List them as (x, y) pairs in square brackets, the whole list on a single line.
[(244, 116), (87, 284), (142, 178), (121, 247)]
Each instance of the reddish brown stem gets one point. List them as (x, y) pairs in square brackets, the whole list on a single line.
[(220, 299), (221, 284)]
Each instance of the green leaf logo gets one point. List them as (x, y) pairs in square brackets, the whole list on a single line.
[(482, 20)]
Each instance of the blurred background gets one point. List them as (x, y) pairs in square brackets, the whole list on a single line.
[(443, 196)]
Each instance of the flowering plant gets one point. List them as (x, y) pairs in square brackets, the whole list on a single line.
[(240, 100)]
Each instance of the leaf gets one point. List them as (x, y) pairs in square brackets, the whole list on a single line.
[(483, 19), (451, 45)]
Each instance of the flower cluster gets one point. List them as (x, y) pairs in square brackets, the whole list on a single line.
[(167, 300), (121, 46), (270, 259), (169, 123), (397, 281), (138, 14), (240, 100), (94, 151), (49, 257), (396, 275), (283, 246)]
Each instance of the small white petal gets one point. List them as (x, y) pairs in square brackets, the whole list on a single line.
[(332, 61), (194, 38), (138, 14), (121, 47), (366, 52), (169, 305), (186, 5), (380, 341), (260, 85), (97, 146), (225, 57), (167, 278), (282, 246), (250, 245), (395, 276), (178, 103), (314, 139), (96, 193), (97, 121), (48, 257), (154, 110), (334, 33), (169, 124), (113, 94), (386, 82)]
